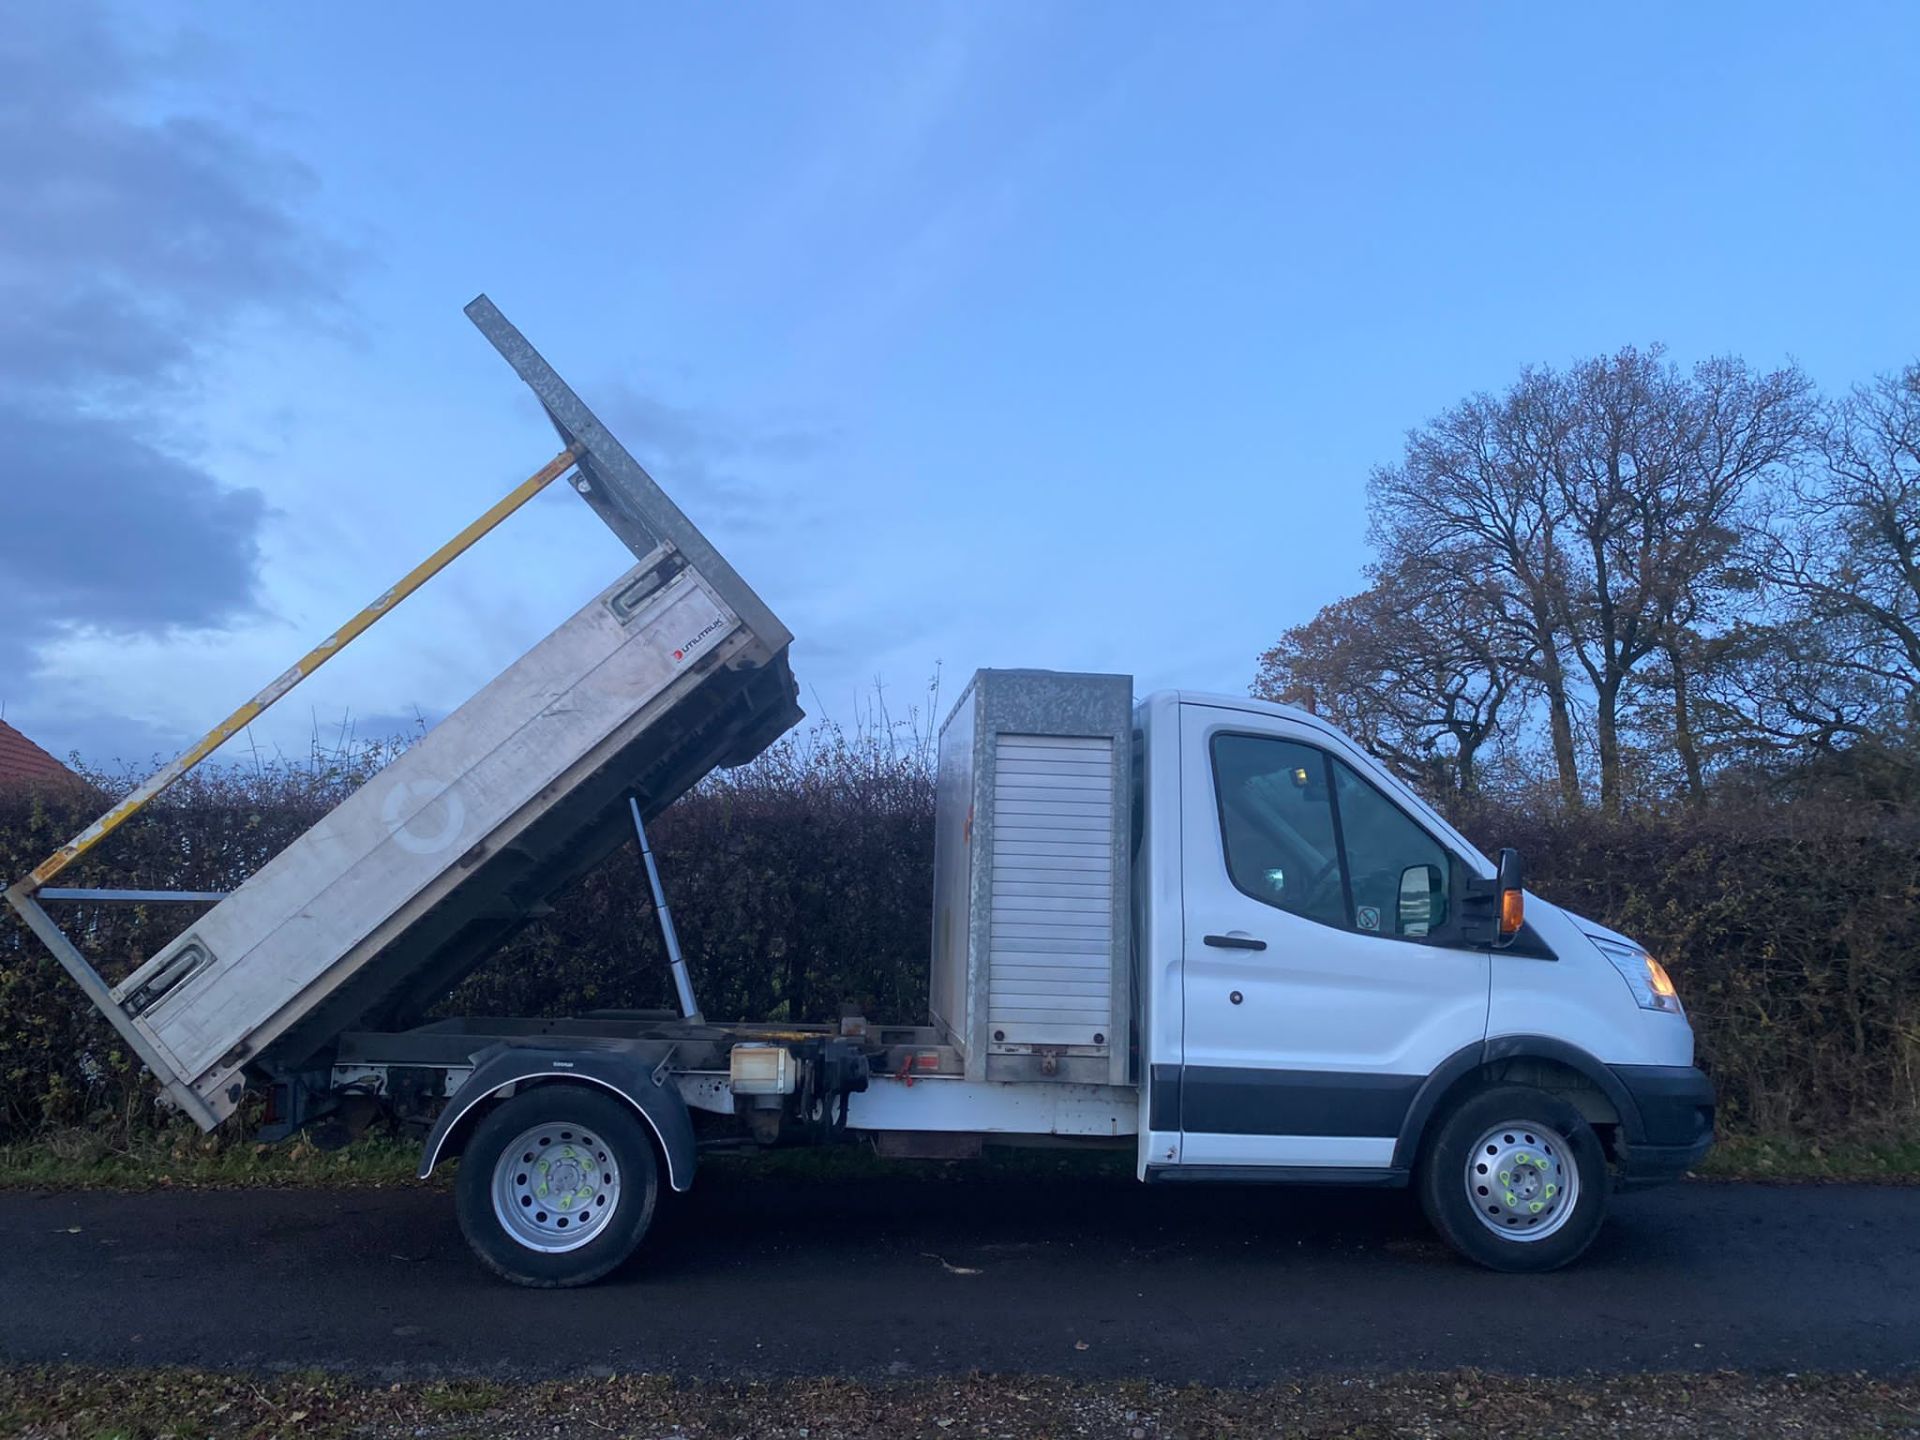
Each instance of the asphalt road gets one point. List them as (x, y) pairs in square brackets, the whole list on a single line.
[(877, 1279)]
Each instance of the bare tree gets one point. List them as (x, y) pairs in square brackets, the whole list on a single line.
[(1477, 502), (1844, 557), (1656, 474), (1605, 506), (1414, 671), (1789, 691)]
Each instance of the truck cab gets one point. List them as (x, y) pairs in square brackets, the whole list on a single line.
[(1321, 999)]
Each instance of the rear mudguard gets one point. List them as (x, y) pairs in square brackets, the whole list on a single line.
[(627, 1069)]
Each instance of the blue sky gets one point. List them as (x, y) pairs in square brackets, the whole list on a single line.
[(986, 334)]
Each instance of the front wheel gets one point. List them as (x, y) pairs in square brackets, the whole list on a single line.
[(1515, 1179), (557, 1186)]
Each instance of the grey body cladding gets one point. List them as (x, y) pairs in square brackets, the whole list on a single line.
[(1218, 1100), (1032, 972), (1663, 1113)]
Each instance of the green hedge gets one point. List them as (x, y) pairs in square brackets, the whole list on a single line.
[(1792, 929)]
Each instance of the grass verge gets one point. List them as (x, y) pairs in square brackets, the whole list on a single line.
[(1755, 1159), (184, 1158), (163, 1403)]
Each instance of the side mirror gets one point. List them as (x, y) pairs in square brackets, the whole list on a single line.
[(1496, 909), (1513, 895), (1422, 899)]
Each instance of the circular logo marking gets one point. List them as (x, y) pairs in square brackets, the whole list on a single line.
[(429, 829)]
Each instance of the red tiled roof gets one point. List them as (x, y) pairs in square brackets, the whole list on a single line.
[(21, 759)]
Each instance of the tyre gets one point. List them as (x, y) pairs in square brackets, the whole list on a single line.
[(1514, 1179), (557, 1186)]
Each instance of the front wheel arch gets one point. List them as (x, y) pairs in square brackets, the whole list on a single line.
[(1536, 1060)]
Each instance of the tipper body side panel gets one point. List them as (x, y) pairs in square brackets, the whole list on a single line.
[(649, 686)]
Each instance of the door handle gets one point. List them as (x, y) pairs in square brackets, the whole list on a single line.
[(1235, 942)]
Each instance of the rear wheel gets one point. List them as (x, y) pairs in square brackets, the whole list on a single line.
[(1515, 1179), (557, 1186)]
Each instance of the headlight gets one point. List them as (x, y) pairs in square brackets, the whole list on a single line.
[(1646, 977)]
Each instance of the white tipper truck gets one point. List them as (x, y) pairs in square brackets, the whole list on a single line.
[(1205, 929)]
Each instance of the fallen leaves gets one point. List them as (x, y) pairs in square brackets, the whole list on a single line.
[(59, 1403), (950, 1269)]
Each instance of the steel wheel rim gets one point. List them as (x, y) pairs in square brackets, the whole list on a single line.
[(555, 1187), (1522, 1181)]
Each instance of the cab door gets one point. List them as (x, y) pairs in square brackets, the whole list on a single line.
[(1322, 977)]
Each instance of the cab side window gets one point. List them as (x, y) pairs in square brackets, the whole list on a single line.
[(1303, 832), (1400, 876), (1276, 825)]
